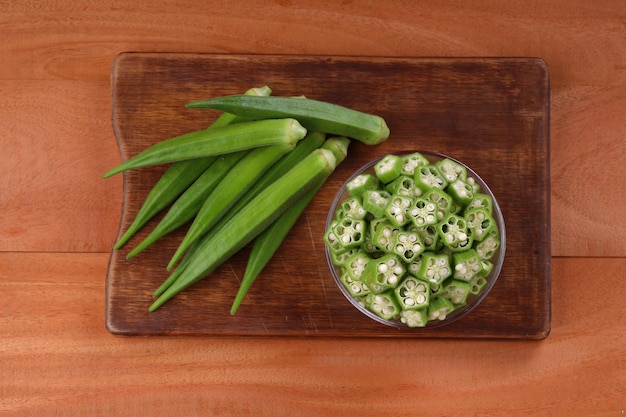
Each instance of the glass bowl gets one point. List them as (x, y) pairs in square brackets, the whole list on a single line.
[(404, 288)]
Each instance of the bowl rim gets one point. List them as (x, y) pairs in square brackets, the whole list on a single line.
[(491, 278)]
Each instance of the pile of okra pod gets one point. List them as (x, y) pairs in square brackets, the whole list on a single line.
[(414, 238), (246, 178)]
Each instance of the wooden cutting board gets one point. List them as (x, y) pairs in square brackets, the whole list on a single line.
[(491, 113)]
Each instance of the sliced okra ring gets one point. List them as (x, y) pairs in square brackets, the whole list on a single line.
[(443, 200), (397, 209), (454, 233), (467, 265), (386, 272), (362, 183), (456, 291), (430, 237), (480, 222), (353, 208), (403, 185), (461, 192), (408, 245), (429, 176), (412, 293), (411, 161), (414, 266), (488, 247), (332, 240), (356, 288), (339, 259), (384, 234), (435, 267), (414, 318), (451, 170), (375, 201), (388, 168), (477, 284), (423, 212), (486, 266), (439, 308), (385, 305), (475, 186), (356, 264), (481, 200), (350, 232)]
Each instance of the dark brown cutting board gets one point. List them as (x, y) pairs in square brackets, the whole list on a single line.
[(491, 113)]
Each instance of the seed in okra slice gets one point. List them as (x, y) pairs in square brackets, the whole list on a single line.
[(414, 318), (439, 308), (375, 201), (357, 186), (427, 177), (456, 291), (412, 293), (397, 210), (388, 168), (480, 222), (385, 305), (383, 273), (407, 245), (467, 265), (451, 170), (454, 233), (435, 267), (411, 161)]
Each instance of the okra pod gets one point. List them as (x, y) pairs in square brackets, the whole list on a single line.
[(315, 115), (228, 191), (187, 206), (251, 221), (217, 141), (268, 241)]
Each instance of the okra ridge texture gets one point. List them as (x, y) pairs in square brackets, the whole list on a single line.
[(315, 115), (216, 141)]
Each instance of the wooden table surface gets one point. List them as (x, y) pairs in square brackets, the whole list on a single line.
[(59, 218)]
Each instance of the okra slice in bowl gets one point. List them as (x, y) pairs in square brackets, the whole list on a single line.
[(431, 268)]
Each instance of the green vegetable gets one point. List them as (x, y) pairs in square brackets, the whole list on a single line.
[(314, 115), (172, 183), (230, 188), (216, 141), (187, 206), (419, 260), (178, 177), (268, 242), (251, 221)]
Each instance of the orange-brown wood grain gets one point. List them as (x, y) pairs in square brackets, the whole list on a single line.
[(59, 219)]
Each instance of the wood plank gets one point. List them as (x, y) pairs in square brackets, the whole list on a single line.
[(58, 358), (581, 41), (57, 143), (465, 108)]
